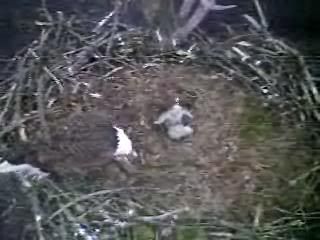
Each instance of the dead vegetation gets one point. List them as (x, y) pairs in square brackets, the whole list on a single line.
[(212, 177)]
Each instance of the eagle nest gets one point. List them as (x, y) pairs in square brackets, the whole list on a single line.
[(122, 72)]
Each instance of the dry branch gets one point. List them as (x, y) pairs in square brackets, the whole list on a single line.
[(204, 7)]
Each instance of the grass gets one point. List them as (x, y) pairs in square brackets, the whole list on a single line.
[(144, 232), (289, 185), (193, 232), (258, 123)]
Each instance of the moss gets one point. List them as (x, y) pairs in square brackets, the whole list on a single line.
[(288, 185), (191, 233), (258, 123), (144, 232)]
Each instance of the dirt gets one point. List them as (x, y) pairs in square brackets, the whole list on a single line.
[(205, 171)]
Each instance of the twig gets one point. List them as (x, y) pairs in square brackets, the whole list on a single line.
[(212, 5), (59, 27), (9, 209), (88, 196), (102, 22), (55, 79), (41, 107), (14, 124), (9, 97), (253, 22), (263, 19), (37, 214), (162, 217), (111, 72), (45, 10)]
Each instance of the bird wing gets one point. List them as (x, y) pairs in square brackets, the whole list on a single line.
[(83, 140)]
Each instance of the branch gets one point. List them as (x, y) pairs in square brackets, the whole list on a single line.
[(212, 5), (263, 20), (199, 14), (162, 217), (192, 23), (186, 8)]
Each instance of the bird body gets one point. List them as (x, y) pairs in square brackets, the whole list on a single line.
[(124, 146), (79, 144), (177, 120), (179, 131), (174, 116)]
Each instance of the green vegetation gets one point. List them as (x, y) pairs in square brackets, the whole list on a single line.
[(257, 123), (289, 183), (144, 232), (194, 232)]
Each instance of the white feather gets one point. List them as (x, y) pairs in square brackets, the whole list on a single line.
[(179, 131), (124, 143), (173, 116)]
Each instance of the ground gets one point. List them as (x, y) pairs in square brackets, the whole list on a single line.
[(242, 164), (215, 170)]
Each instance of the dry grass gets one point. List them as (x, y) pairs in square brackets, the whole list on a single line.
[(204, 172)]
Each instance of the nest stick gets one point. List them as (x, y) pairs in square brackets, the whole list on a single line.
[(263, 20), (8, 103), (41, 107)]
